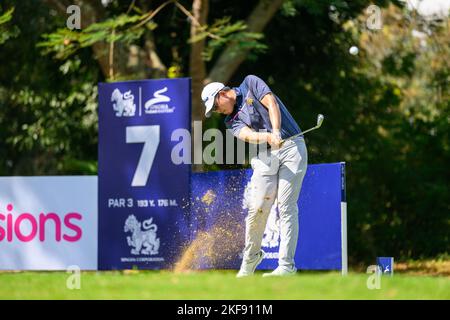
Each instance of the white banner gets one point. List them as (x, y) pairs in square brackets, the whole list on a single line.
[(48, 223)]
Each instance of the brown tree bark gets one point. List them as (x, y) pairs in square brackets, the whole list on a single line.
[(228, 63), (156, 68), (197, 71), (197, 65)]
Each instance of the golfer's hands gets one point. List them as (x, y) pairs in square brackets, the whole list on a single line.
[(274, 139)]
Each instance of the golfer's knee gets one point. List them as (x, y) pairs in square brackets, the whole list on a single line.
[(288, 209)]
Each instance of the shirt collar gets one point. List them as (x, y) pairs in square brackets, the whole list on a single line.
[(237, 105), (238, 98)]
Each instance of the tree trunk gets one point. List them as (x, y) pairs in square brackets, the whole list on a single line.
[(197, 65), (156, 68), (228, 63), (197, 72)]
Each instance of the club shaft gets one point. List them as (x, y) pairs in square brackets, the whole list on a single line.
[(299, 134)]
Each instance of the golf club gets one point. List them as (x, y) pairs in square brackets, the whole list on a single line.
[(320, 118)]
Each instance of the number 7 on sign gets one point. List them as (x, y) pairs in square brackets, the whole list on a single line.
[(149, 136)]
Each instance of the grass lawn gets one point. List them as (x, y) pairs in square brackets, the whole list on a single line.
[(218, 285)]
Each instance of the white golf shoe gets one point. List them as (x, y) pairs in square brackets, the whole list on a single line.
[(248, 268), (281, 272)]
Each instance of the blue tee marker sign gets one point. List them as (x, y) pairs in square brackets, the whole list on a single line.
[(386, 265), (141, 191)]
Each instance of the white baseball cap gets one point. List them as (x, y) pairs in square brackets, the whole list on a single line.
[(208, 94)]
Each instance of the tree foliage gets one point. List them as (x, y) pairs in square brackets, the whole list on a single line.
[(48, 115), (65, 42), (5, 31), (129, 28)]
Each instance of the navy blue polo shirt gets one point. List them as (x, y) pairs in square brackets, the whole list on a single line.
[(249, 111)]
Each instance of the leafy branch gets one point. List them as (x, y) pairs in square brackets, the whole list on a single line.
[(64, 42), (226, 33), (128, 28), (5, 33)]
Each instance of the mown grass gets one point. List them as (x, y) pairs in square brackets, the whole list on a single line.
[(218, 285)]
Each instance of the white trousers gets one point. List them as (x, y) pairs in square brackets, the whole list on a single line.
[(277, 174)]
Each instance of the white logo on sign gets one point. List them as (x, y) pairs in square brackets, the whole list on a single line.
[(271, 238), (123, 103), (142, 242), (158, 103), (272, 233)]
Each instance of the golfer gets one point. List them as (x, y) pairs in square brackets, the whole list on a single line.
[(256, 115)]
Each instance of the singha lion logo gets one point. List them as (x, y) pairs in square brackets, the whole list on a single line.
[(124, 103), (143, 242)]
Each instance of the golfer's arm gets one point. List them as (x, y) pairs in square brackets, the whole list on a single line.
[(252, 136), (271, 104)]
